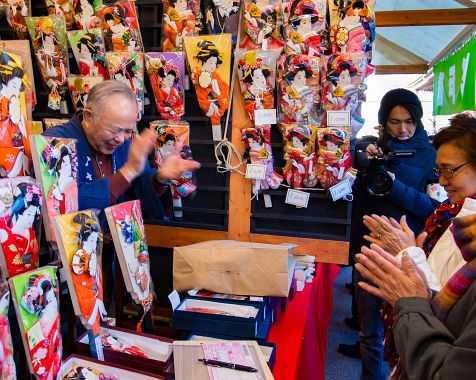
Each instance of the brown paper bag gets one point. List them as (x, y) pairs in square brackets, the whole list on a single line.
[(228, 266)]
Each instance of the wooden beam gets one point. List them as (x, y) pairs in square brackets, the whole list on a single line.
[(169, 237), (467, 3), (426, 17), (239, 206), (325, 251), (401, 69), (396, 53)]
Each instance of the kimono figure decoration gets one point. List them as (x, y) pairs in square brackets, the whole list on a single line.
[(352, 26), (80, 242), (306, 28), (61, 7), (20, 218), (182, 18), (257, 80), (211, 77), (128, 68), (334, 157), (48, 36), (85, 13), (16, 11), (86, 373), (258, 151), (79, 88), (173, 139), (56, 167), (88, 50), (37, 305), (343, 86), (114, 343), (128, 233), (222, 17), (14, 146), (120, 27), (166, 74), (261, 22), (7, 362), (300, 157), (298, 88)]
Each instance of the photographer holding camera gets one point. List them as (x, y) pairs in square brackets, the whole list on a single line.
[(392, 180)]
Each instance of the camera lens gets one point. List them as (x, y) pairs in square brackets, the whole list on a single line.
[(380, 183)]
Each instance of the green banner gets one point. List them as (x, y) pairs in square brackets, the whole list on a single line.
[(454, 88)]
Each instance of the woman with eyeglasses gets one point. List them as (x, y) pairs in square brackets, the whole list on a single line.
[(433, 250)]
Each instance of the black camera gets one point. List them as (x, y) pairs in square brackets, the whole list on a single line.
[(373, 170)]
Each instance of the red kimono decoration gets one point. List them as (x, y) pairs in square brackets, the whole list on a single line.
[(120, 27), (88, 49), (114, 343), (298, 89), (15, 152), (353, 27), (16, 11), (37, 306), (182, 18), (260, 25), (51, 49), (343, 87), (85, 13), (61, 8), (334, 157), (174, 139), (306, 27), (166, 73), (7, 362), (209, 58), (20, 218), (258, 151), (299, 154)]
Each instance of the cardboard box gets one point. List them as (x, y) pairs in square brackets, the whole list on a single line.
[(228, 266)]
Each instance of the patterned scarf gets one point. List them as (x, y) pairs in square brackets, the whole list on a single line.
[(457, 285), (442, 303)]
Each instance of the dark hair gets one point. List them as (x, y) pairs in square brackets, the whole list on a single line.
[(208, 50), (169, 137), (290, 75), (88, 226), (108, 17), (40, 302), (163, 74), (89, 40), (52, 162), (298, 134), (462, 133), (266, 72), (344, 65), (20, 204), (16, 72), (307, 10)]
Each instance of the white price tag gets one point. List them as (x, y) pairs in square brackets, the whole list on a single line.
[(340, 190), (174, 299), (265, 117), (255, 171), (338, 118), (216, 132), (297, 198)]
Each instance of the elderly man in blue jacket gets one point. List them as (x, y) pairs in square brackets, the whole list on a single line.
[(110, 163), (112, 166)]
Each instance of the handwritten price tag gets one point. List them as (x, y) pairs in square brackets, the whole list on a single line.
[(338, 118), (265, 117), (340, 190), (255, 171), (297, 198)]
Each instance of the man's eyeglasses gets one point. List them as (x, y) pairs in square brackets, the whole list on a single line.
[(447, 172)]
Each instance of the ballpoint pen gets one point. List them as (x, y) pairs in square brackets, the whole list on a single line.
[(218, 363)]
